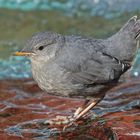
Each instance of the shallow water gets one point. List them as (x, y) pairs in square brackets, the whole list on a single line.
[(106, 8)]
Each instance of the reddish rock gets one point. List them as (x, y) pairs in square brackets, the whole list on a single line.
[(24, 108)]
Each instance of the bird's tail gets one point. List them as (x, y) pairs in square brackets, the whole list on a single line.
[(131, 28), (124, 44)]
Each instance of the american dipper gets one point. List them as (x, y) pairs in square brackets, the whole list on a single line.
[(75, 66)]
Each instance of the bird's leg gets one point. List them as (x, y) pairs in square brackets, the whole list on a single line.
[(80, 112), (69, 120), (81, 108), (84, 111)]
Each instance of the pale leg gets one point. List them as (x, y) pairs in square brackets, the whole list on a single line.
[(84, 111), (81, 108)]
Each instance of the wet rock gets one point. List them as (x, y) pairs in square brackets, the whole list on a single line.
[(24, 108)]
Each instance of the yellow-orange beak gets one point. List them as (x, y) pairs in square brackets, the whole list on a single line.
[(22, 53)]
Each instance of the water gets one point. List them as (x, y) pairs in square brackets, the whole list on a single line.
[(15, 67), (19, 25), (107, 8)]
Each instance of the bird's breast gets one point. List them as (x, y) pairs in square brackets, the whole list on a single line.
[(51, 77)]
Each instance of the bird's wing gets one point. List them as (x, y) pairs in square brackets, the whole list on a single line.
[(96, 67), (101, 70)]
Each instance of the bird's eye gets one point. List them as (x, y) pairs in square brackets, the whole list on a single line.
[(41, 48)]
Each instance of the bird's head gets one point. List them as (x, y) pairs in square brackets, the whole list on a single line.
[(42, 46)]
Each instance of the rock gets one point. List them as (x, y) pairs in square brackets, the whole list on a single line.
[(24, 108)]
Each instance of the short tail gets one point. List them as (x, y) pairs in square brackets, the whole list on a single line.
[(124, 44), (132, 28)]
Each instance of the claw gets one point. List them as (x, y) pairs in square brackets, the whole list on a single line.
[(70, 124), (60, 120)]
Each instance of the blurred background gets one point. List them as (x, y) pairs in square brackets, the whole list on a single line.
[(19, 19)]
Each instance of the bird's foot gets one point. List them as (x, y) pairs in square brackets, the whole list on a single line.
[(67, 121), (62, 121)]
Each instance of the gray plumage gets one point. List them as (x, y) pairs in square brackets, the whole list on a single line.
[(78, 66)]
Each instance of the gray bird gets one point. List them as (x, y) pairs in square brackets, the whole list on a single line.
[(75, 66)]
